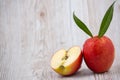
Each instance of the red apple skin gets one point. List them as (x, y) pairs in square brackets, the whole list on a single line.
[(98, 54), (75, 66)]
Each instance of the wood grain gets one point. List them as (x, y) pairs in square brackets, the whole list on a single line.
[(32, 30)]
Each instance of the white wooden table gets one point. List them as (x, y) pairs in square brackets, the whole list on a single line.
[(32, 30)]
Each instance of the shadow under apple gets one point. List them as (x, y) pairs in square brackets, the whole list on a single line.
[(80, 73), (83, 73)]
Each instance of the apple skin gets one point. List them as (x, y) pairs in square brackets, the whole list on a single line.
[(72, 68), (98, 54)]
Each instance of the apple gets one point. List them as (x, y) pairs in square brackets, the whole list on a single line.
[(98, 51), (67, 62)]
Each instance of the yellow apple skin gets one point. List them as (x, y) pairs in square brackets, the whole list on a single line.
[(71, 68)]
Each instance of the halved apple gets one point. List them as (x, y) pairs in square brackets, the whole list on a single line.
[(67, 62)]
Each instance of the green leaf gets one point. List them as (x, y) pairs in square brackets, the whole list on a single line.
[(106, 20), (81, 25)]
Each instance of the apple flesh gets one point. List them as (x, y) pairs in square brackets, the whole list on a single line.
[(98, 54), (67, 62)]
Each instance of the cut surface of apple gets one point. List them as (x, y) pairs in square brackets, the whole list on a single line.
[(67, 62)]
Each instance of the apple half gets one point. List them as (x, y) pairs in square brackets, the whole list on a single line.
[(67, 62)]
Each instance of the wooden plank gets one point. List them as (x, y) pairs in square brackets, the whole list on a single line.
[(16, 23), (53, 23), (32, 30)]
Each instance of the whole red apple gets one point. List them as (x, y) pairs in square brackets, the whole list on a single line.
[(98, 53)]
